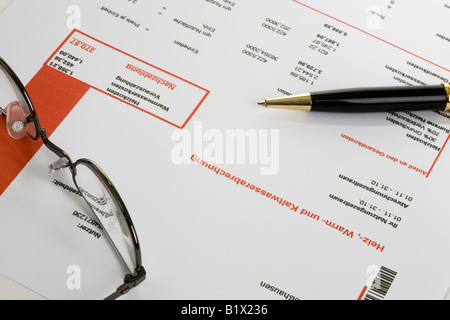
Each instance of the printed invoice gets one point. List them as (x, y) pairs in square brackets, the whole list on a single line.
[(231, 201)]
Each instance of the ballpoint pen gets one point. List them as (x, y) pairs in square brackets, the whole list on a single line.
[(376, 99)]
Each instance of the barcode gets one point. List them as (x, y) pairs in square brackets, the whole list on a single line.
[(381, 284)]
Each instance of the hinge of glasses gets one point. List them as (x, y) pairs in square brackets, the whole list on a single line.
[(132, 281)]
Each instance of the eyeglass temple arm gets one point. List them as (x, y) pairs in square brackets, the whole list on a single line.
[(2, 111)]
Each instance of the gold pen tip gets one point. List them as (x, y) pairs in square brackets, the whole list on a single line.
[(262, 103)]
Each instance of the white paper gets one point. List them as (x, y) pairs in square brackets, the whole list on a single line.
[(309, 206)]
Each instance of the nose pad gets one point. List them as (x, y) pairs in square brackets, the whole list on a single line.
[(58, 165), (16, 120)]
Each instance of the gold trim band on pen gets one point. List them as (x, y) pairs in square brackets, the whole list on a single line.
[(447, 91), (302, 102)]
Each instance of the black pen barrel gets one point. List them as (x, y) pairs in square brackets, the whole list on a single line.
[(380, 99)]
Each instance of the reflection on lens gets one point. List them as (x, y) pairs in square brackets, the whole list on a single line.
[(108, 209)]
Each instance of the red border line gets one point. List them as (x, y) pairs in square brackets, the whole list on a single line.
[(361, 295), (207, 92), (59, 47), (195, 110), (393, 45), (373, 36), (439, 154)]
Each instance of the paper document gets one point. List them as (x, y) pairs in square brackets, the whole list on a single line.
[(230, 200)]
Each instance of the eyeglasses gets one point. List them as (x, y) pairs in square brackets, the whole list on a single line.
[(92, 183)]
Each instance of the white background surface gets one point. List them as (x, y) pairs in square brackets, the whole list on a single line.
[(8, 288), (4, 4)]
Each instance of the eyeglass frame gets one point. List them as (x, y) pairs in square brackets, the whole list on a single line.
[(130, 280)]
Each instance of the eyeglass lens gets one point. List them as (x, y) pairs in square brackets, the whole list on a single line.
[(108, 211), (93, 184), (17, 109)]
